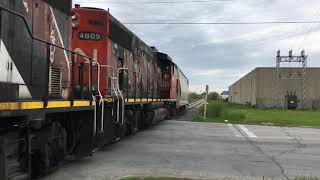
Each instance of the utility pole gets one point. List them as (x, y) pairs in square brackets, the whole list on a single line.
[(206, 103)]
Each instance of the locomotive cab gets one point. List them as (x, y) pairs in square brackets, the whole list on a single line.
[(168, 79), (175, 84), (59, 103), (90, 38)]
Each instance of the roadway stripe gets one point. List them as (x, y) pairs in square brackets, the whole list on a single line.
[(302, 131), (234, 130), (247, 131)]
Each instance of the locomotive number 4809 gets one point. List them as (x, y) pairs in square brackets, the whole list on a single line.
[(90, 36)]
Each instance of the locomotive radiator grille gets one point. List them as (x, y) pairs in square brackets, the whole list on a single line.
[(55, 83)]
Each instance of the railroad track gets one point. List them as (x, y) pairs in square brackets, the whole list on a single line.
[(195, 104)]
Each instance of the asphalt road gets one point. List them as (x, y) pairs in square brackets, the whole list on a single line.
[(203, 150)]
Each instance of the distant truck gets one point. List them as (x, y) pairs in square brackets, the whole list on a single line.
[(225, 96)]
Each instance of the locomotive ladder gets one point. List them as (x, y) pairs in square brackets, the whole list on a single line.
[(99, 102), (121, 97), (98, 98)]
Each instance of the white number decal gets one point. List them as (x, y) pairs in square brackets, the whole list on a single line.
[(98, 36), (89, 36), (81, 35)]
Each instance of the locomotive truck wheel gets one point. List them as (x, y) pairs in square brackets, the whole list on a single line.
[(174, 112), (133, 124), (49, 149), (121, 130)]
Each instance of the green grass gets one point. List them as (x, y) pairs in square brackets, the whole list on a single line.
[(241, 114), (154, 178), (231, 178)]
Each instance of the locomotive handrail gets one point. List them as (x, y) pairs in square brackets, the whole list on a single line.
[(60, 47), (94, 115), (122, 99), (113, 78), (101, 101), (118, 87), (49, 44), (98, 65), (40, 40), (112, 85), (148, 77), (145, 75), (101, 98)]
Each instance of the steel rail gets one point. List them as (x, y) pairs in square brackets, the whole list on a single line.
[(195, 104)]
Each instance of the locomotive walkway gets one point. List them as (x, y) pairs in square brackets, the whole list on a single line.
[(203, 150)]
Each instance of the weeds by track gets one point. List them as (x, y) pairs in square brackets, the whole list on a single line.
[(195, 104)]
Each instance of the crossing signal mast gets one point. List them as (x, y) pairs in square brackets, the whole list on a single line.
[(299, 73), (206, 103)]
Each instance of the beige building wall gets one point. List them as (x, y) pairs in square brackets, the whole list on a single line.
[(259, 87)]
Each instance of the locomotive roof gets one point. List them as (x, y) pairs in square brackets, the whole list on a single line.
[(117, 22), (164, 56), (123, 27), (94, 8), (113, 19), (161, 56)]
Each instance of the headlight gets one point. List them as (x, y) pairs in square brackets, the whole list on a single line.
[(75, 21)]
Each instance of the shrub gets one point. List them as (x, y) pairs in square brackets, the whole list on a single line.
[(234, 115), (194, 96), (216, 109), (213, 96)]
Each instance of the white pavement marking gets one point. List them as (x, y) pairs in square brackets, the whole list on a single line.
[(249, 133), (303, 131), (234, 130)]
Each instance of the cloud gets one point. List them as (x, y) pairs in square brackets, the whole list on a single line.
[(218, 55)]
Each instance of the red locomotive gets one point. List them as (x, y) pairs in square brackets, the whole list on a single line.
[(78, 80)]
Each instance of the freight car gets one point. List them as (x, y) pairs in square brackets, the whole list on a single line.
[(175, 83), (57, 103)]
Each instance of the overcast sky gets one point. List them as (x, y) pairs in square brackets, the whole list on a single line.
[(218, 55)]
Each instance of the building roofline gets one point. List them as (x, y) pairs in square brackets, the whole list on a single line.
[(244, 76), (258, 68)]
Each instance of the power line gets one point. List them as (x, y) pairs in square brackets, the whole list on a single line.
[(154, 2), (312, 28), (223, 23)]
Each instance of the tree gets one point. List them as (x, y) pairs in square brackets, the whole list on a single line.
[(213, 96), (194, 95)]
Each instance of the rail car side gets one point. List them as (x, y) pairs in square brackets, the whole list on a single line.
[(58, 103), (124, 69), (34, 84)]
